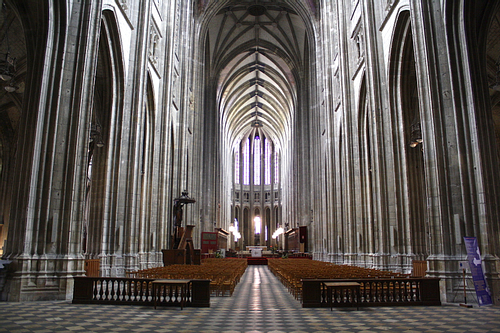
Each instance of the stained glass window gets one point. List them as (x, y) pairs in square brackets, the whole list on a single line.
[(237, 166), (246, 163), (256, 161), (267, 162)]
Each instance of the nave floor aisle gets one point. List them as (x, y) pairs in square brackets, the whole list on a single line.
[(259, 304)]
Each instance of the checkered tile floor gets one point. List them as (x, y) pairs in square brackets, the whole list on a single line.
[(260, 304)]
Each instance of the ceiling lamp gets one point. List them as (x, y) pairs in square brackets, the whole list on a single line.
[(233, 228), (5, 76), (278, 232), (11, 87)]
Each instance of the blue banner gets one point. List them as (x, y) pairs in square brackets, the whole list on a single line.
[(476, 269)]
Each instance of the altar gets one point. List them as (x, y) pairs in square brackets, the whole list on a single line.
[(256, 251), (250, 247)]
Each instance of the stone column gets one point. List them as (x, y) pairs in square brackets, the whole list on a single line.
[(45, 234)]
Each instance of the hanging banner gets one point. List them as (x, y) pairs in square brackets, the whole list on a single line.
[(476, 269)]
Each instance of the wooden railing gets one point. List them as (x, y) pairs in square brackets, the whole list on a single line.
[(374, 292), (135, 291)]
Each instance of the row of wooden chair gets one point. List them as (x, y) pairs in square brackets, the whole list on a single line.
[(291, 272), (224, 274)]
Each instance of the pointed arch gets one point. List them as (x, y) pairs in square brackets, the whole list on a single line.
[(255, 66), (366, 164), (148, 241), (13, 47), (103, 233), (410, 226)]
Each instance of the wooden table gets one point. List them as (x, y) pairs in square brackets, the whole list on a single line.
[(331, 287), (183, 284)]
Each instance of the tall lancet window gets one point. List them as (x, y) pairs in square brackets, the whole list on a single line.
[(267, 162), (246, 163), (256, 160), (237, 166)]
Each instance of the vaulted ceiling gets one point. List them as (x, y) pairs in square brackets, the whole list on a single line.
[(256, 54)]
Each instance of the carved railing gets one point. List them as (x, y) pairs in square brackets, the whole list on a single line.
[(136, 291), (374, 292)]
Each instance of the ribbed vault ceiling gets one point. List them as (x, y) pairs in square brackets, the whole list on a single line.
[(256, 50)]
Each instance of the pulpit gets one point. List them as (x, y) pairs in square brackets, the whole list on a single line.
[(181, 250)]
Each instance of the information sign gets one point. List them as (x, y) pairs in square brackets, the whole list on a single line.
[(476, 269)]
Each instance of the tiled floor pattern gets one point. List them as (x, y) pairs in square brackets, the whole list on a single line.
[(259, 304)]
